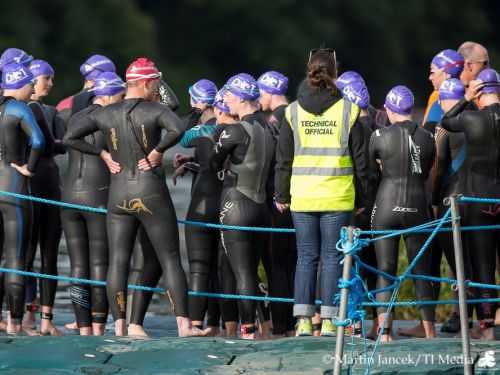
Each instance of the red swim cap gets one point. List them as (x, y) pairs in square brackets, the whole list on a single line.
[(142, 68)]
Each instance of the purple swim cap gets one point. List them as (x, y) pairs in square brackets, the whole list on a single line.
[(273, 83), (347, 78), (41, 68), (108, 84), (15, 76), (491, 81), (450, 62), (95, 65), (203, 91), (244, 86), (219, 100), (356, 92), (400, 100), (14, 56), (451, 89)]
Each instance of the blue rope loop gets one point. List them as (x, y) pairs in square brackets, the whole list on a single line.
[(342, 323)]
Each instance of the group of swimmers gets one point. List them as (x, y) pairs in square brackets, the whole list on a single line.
[(115, 133)]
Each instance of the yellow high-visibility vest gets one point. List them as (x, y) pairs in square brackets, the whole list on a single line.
[(322, 170)]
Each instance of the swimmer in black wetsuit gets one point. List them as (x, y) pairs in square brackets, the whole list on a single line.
[(202, 95), (19, 130), (203, 243), (46, 221), (353, 88), (283, 255), (401, 198), (87, 183), (249, 147), (481, 179), (90, 70), (138, 194)]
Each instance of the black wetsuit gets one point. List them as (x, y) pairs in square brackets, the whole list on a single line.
[(133, 129), (202, 243), (87, 183), (18, 131), (249, 147), (46, 220), (362, 220), (283, 256), (406, 152), (481, 178)]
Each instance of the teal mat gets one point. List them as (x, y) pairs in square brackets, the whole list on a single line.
[(305, 356)]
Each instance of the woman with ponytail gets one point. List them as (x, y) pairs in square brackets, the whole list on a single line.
[(321, 170)]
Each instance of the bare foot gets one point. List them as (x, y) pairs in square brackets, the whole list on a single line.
[(137, 331), (185, 328), (29, 320), (120, 327), (417, 331), (86, 331), (211, 331), (497, 317), (47, 328), (386, 338), (98, 329), (487, 334), (73, 326), (3, 325)]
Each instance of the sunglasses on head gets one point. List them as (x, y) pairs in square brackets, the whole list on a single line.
[(331, 51)]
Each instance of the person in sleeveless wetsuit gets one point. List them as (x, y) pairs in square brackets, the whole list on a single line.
[(406, 153), (481, 179), (138, 194), (87, 183), (283, 249), (18, 131), (9, 56), (46, 222), (248, 147), (444, 65)]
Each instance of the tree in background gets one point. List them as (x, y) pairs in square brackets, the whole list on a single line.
[(388, 42)]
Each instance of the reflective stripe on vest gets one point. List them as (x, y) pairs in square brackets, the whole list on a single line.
[(322, 169)]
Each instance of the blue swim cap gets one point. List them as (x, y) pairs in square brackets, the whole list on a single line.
[(219, 100), (15, 76), (203, 91), (244, 86), (273, 83), (108, 84), (451, 89), (95, 65), (400, 100), (41, 68), (14, 56)]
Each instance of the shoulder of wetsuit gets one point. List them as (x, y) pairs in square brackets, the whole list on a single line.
[(17, 108), (196, 132), (82, 100)]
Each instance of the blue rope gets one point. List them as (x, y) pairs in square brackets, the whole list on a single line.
[(428, 230), (236, 227), (424, 303), (479, 200)]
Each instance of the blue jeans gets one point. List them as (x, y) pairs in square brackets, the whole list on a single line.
[(317, 234)]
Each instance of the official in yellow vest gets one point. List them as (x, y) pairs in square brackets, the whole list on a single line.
[(321, 151)]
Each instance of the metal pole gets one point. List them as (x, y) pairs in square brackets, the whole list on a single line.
[(344, 294), (462, 298)]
